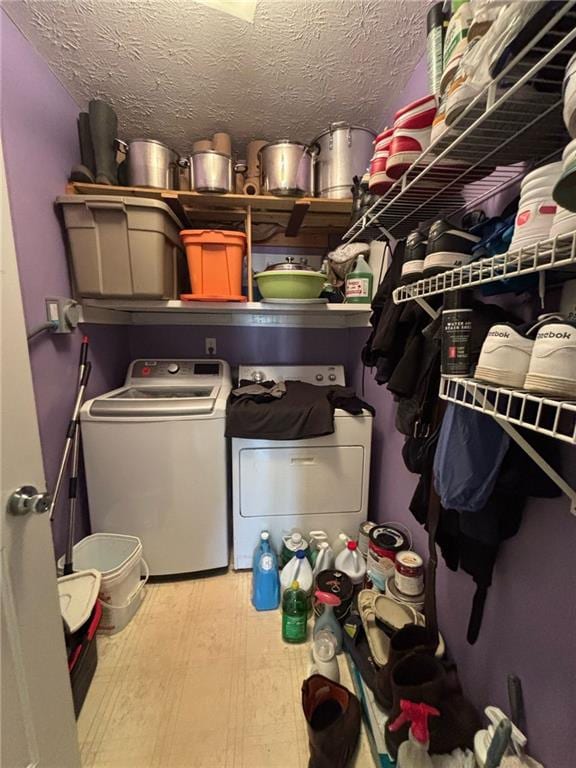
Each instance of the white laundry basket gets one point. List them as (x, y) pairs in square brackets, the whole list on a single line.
[(119, 560)]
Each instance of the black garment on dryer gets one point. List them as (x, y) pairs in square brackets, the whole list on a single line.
[(306, 410)]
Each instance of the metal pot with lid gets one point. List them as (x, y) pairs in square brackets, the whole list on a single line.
[(289, 265), (287, 168), (344, 151), (150, 163)]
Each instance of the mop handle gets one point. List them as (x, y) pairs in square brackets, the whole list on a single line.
[(73, 480), (70, 436)]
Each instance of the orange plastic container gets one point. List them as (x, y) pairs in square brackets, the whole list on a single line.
[(215, 258)]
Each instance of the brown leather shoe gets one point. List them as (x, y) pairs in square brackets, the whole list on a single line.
[(421, 678), (333, 716)]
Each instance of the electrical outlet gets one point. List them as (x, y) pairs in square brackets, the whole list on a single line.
[(210, 346), (63, 313)]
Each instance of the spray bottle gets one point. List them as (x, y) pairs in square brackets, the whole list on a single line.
[(414, 752), (327, 620)]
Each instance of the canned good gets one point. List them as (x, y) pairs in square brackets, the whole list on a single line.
[(339, 584), (409, 573)]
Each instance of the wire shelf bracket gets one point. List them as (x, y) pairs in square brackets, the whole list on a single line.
[(554, 418)]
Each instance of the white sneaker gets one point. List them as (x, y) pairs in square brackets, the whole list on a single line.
[(552, 368), (505, 357)]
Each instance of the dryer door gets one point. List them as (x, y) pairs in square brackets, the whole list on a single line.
[(306, 480)]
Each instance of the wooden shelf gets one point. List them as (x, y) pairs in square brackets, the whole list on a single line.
[(195, 206), (174, 312)]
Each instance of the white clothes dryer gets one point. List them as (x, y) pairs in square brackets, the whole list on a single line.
[(156, 462), (317, 483)]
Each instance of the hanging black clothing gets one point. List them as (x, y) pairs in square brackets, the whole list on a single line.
[(306, 410)]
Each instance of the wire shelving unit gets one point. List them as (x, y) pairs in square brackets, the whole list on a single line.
[(513, 124)]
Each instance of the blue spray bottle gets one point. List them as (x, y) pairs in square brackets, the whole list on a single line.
[(265, 579)]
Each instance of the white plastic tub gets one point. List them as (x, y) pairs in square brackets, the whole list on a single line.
[(116, 616), (117, 557)]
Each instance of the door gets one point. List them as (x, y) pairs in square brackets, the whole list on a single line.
[(36, 715)]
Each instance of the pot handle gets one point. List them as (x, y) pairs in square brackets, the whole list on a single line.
[(184, 162), (121, 146)]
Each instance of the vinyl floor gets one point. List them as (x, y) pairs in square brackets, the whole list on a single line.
[(199, 679)]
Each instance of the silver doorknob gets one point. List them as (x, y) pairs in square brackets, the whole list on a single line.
[(27, 499)]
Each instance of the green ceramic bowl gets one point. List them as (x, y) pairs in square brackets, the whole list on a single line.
[(292, 284)]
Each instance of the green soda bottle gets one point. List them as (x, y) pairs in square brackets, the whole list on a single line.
[(294, 614)]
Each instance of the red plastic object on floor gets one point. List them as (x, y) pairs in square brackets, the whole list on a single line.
[(83, 659)]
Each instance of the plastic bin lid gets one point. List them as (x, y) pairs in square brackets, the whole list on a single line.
[(112, 200), (78, 593)]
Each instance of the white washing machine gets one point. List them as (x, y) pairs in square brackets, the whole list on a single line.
[(156, 462), (317, 483)]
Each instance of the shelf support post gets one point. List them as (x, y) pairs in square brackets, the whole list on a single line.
[(249, 253), (513, 433), (537, 459), (426, 307)]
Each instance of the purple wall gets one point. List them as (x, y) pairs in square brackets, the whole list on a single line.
[(40, 144), (244, 345)]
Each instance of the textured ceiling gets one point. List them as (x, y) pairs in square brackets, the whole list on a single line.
[(176, 70)]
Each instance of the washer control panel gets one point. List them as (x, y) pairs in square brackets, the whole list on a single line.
[(313, 374), (183, 371)]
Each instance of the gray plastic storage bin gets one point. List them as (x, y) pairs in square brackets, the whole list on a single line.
[(123, 247)]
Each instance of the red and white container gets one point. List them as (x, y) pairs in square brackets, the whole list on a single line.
[(412, 135), (409, 573), (380, 182)]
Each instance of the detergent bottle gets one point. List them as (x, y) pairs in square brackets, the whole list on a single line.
[(265, 580), (291, 544), (323, 656), (340, 543), (298, 569), (351, 562), (327, 620), (294, 614), (359, 283), (316, 538), (324, 559)]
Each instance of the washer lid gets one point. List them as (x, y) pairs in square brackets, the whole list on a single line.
[(158, 401)]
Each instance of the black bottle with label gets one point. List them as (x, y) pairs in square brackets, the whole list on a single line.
[(456, 333)]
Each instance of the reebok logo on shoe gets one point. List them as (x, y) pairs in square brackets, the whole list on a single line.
[(554, 335)]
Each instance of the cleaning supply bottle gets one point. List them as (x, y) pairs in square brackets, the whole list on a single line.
[(414, 752), (359, 283), (327, 620), (290, 545), (298, 569), (351, 562), (324, 558), (323, 656), (294, 614), (340, 543), (265, 579), (315, 539)]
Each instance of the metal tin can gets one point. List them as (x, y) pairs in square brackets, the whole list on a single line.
[(409, 573)]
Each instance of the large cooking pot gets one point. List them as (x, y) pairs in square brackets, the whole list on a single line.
[(211, 171), (344, 151), (150, 163), (286, 168)]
